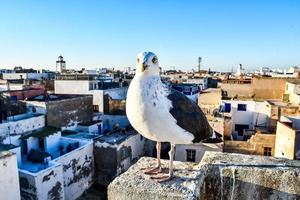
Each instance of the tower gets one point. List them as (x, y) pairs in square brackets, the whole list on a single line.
[(60, 64), (199, 62), (240, 70)]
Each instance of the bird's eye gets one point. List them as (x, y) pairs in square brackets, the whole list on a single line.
[(137, 60), (154, 60)]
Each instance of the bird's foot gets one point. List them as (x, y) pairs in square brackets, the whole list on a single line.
[(162, 177), (152, 170)]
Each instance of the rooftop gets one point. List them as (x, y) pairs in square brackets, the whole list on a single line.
[(81, 135), (41, 133), (5, 153), (5, 147), (116, 138), (54, 97)]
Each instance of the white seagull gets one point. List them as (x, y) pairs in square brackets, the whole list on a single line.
[(162, 114)]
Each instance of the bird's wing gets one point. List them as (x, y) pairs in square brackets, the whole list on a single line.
[(189, 116)]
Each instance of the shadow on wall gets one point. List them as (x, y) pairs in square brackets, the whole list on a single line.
[(250, 182)]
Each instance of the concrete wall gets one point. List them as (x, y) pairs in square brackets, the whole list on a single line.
[(68, 112), (247, 177), (117, 93), (71, 86), (232, 89), (36, 107), (135, 144), (108, 161), (9, 188), (94, 128), (269, 88), (22, 126), (45, 184), (255, 145), (78, 170), (285, 141), (110, 120), (13, 76)]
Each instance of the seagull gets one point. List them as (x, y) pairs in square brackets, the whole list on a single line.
[(162, 114)]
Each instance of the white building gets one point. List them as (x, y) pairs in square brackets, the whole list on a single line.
[(190, 90), (115, 153), (245, 115), (60, 64), (195, 152), (55, 167), (86, 84), (292, 92), (201, 82), (25, 76), (240, 70), (9, 188)]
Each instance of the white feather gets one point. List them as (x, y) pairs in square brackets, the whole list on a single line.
[(148, 110)]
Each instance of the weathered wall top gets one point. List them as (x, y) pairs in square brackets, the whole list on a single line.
[(134, 184), (217, 176)]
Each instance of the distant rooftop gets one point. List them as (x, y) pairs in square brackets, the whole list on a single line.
[(81, 77), (6, 147), (80, 135), (89, 123), (54, 97), (116, 138), (41, 133), (294, 81)]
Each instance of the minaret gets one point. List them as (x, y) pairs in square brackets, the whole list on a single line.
[(60, 64), (199, 62)]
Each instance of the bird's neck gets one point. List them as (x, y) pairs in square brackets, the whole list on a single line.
[(147, 79)]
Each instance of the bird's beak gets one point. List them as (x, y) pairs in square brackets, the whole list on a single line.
[(144, 66)]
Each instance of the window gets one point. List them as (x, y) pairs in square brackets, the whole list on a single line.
[(242, 107), (267, 151), (240, 128), (227, 107), (96, 108), (190, 155)]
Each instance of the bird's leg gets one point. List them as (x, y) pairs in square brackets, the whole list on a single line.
[(165, 177), (157, 169)]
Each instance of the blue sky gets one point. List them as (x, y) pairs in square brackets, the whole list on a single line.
[(110, 33)]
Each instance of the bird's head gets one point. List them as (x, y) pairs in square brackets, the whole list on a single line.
[(147, 63)]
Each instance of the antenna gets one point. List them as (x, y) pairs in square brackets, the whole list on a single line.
[(199, 62)]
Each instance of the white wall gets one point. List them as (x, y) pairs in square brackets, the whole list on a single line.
[(180, 150), (42, 182), (92, 128), (22, 126), (12, 76), (52, 143), (83, 158), (256, 113), (117, 93), (71, 86), (32, 143), (17, 152), (9, 189), (36, 107), (98, 99), (137, 150)]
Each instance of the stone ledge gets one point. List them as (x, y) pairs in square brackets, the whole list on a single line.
[(134, 184), (217, 176)]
